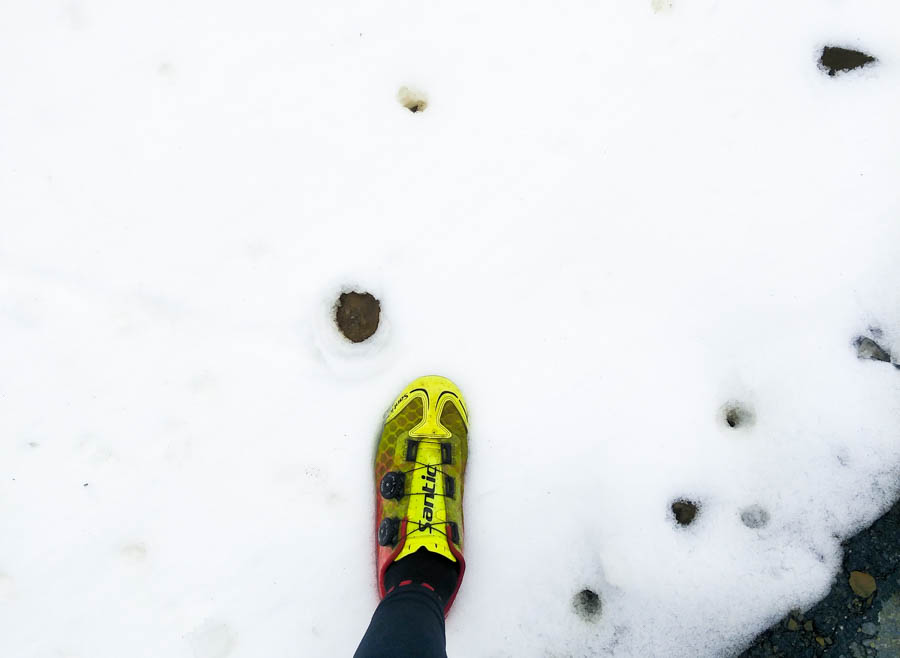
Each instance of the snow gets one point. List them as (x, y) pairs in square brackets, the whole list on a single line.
[(611, 221)]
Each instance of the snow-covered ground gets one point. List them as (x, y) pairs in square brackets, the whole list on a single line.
[(611, 221)]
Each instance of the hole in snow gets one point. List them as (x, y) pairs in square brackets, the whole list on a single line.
[(755, 517), (866, 348), (737, 415), (587, 604), (134, 552), (357, 315), (685, 511), (412, 100), (836, 59)]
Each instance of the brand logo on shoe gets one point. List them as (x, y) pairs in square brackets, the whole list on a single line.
[(398, 403), (429, 488)]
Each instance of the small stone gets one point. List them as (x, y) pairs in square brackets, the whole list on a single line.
[(862, 584), (821, 641), (888, 639), (869, 628), (808, 626), (856, 651), (792, 625), (866, 348)]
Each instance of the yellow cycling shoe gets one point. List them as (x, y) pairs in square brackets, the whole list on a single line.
[(419, 469)]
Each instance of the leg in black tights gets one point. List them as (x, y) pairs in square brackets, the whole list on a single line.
[(409, 621)]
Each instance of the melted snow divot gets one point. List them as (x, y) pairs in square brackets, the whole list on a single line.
[(835, 59), (587, 605), (351, 329), (737, 415), (412, 99), (685, 511), (755, 517), (357, 315)]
